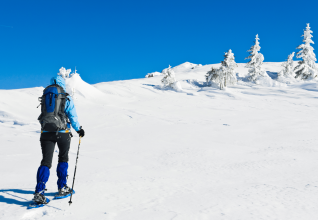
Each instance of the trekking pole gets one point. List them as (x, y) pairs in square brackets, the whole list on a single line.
[(70, 202)]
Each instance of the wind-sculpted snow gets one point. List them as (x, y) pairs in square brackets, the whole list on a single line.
[(247, 152), (76, 85)]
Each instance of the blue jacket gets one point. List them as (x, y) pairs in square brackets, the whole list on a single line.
[(69, 110)]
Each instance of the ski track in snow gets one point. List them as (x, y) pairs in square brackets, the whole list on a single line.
[(246, 153)]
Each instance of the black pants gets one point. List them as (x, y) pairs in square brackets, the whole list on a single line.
[(48, 141)]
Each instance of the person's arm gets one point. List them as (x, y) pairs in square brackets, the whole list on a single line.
[(70, 111)]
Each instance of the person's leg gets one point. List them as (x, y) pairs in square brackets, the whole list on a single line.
[(41, 178), (47, 145), (63, 143)]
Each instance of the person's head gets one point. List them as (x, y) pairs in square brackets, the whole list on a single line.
[(58, 80)]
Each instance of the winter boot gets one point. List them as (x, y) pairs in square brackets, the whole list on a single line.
[(39, 198), (64, 192)]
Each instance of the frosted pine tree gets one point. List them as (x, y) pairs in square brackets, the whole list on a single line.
[(64, 73), (169, 79), (222, 77), (227, 75), (306, 68), (213, 76), (216, 76), (255, 64), (288, 70)]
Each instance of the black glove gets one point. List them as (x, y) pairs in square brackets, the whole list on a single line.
[(81, 132)]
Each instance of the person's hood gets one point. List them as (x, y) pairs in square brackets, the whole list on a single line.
[(59, 81)]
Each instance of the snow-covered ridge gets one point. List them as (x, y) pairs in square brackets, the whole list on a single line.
[(189, 71), (190, 76)]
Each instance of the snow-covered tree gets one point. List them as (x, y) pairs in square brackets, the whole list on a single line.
[(306, 68), (225, 75), (64, 73), (228, 69), (74, 73), (255, 64), (222, 77), (212, 76), (288, 70), (169, 79), (216, 75)]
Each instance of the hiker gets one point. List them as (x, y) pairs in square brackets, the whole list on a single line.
[(57, 114)]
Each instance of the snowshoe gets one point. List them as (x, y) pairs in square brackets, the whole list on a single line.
[(39, 200), (64, 193)]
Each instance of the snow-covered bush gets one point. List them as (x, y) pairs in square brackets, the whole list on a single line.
[(288, 70), (212, 76), (153, 74), (169, 76), (306, 68), (225, 75), (169, 79), (216, 76), (65, 73), (255, 64)]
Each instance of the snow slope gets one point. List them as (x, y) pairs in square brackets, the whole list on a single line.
[(246, 153)]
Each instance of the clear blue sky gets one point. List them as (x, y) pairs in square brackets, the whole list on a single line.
[(118, 40)]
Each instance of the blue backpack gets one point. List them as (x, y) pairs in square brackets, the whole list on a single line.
[(53, 117)]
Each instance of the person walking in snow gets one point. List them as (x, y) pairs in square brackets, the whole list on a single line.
[(57, 114)]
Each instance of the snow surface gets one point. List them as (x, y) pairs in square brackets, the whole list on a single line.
[(249, 152)]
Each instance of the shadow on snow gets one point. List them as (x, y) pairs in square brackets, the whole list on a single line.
[(17, 200), (272, 75)]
